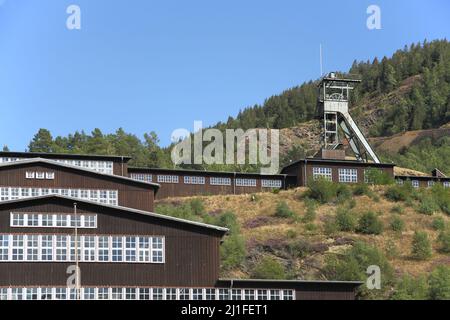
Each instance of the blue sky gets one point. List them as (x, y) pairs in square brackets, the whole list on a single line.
[(159, 65)]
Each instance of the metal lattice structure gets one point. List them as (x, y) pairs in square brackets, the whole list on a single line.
[(334, 93)]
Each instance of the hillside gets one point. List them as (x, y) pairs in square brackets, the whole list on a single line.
[(303, 247)]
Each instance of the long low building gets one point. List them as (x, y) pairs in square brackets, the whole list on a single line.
[(179, 183), (124, 254)]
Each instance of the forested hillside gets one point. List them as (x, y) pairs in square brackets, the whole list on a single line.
[(408, 91)]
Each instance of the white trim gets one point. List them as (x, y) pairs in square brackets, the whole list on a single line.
[(27, 220)]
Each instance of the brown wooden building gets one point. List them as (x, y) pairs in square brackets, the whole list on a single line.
[(117, 165), (36, 176), (436, 177), (341, 171), (179, 183), (124, 253)]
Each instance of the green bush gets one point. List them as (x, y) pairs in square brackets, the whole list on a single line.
[(438, 223), (397, 224), (398, 209), (322, 190), (343, 193), (232, 251), (283, 211), (369, 223), (444, 241), (428, 205), (345, 220), (353, 263), (269, 268), (442, 197), (421, 246), (391, 249), (439, 281), (400, 192), (361, 189), (198, 208), (229, 220), (411, 288)]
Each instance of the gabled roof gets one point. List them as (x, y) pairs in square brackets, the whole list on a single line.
[(74, 156), (130, 210), (64, 165)]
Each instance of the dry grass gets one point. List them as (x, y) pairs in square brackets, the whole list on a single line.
[(249, 208)]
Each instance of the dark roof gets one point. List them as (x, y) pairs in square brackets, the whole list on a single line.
[(203, 172), (334, 161), (422, 177), (285, 283), (63, 156), (103, 205), (59, 164)]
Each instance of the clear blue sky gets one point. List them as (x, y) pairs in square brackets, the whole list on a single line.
[(159, 65)]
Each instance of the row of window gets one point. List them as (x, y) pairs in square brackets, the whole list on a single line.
[(61, 248), (144, 294), (98, 166), (345, 175), (40, 175), (53, 220), (102, 196), (430, 183), (215, 181)]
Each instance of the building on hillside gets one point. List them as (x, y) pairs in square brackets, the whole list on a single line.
[(124, 254), (437, 177), (116, 165), (340, 171), (39, 177), (180, 183)]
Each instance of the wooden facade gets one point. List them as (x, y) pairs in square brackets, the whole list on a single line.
[(301, 172), (182, 189), (191, 251), (133, 194)]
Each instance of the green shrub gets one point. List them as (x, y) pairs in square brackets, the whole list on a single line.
[(421, 246), (438, 223), (428, 205), (300, 249), (232, 252), (397, 224), (310, 214), (353, 263), (269, 268), (442, 197), (322, 190), (229, 220), (411, 288), (311, 227), (439, 281), (283, 211), (198, 208), (398, 209), (361, 189), (343, 193), (345, 220), (369, 223), (400, 192), (444, 241), (291, 234)]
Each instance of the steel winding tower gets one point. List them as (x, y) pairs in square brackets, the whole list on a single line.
[(334, 94)]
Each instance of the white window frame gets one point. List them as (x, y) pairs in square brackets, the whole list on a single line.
[(220, 181), (348, 175), (29, 175), (323, 172), (164, 178), (415, 183), (245, 182), (197, 180), (270, 183)]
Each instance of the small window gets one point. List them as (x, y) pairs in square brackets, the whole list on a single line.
[(415, 183), (167, 179), (49, 175), (430, 183), (194, 180), (220, 181), (276, 184), (348, 175), (245, 182), (40, 175), (29, 174), (446, 184)]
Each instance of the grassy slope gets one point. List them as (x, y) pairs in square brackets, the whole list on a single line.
[(266, 234)]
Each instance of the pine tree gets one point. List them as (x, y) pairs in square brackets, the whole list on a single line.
[(42, 142)]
